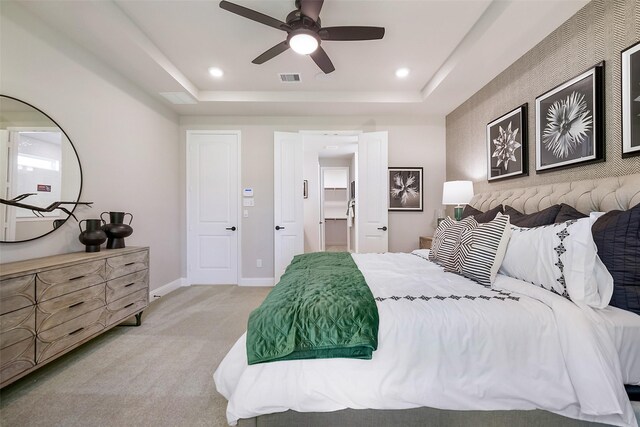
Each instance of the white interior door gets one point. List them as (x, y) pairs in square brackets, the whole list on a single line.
[(212, 207), (372, 192), (288, 200)]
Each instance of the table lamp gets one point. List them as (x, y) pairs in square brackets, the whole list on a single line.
[(457, 193)]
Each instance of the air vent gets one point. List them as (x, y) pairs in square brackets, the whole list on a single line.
[(289, 77)]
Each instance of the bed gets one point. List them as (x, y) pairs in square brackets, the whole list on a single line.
[(509, 354)]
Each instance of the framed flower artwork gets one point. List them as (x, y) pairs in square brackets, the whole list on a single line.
[(631, 101), (570, 122), (507, 145), (405, 189)]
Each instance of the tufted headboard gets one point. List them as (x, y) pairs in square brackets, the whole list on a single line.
[(593, 195)]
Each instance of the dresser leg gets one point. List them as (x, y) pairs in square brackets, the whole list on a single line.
[(139, 319)]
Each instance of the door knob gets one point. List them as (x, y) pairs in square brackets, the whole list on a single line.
[(383, 228), (231, 228), (279, 228)]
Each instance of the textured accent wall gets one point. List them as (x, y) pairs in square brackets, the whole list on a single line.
[(598, 32)]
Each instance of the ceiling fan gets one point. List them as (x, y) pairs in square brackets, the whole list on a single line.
[(304, 31)]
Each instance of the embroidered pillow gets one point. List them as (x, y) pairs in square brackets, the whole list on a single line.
[(561, 258), (544, 217), (567, 213), (482, 250), (481, 217), (617, 236), (447, 240)]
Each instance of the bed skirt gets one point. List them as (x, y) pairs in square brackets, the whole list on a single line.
[(418, 417)]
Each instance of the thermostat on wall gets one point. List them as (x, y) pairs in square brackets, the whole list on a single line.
[(247, 192)]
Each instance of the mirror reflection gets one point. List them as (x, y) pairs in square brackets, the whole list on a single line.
[(39, 168)]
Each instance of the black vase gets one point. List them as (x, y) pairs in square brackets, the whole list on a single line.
[(117, 230), (93, 236)]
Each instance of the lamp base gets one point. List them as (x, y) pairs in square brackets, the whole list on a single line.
[(457, 213)]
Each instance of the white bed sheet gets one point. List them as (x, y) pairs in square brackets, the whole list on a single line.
[(624, 329), (461, 347)]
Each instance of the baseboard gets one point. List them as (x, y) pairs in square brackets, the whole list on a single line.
[(169, 287), (256, 281)]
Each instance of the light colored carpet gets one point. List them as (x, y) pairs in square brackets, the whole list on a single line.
[(158, 374)]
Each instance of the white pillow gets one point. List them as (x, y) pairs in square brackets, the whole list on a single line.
[(561, 258), (482, 249)]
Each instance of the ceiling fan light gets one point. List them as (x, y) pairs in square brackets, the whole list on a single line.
[(304, 44)]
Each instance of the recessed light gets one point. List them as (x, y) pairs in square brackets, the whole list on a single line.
[(216, 72), (401, 73)]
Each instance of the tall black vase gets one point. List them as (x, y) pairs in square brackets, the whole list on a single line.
[(93, 236), (117, 230)]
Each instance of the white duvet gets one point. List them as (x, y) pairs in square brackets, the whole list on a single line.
[(461, 346)]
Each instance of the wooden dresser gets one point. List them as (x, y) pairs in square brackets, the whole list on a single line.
[(51, 305)]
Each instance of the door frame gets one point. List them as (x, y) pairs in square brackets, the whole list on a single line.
[(238, 133)]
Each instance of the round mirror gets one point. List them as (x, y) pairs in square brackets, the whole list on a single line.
[(40, 174)]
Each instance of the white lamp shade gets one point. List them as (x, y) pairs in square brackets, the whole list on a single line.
[(457, 192)]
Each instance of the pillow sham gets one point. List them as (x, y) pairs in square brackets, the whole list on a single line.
[(481, 217), (446, 240), (482, 250), (561, 258), (567, 213), (617, 236), (544, 217)]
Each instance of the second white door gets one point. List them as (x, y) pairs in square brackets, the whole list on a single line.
[(212, 207)]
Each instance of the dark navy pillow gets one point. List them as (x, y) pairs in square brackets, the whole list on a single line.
[(617, 236), (544, 217), (481, 217), (567, 213)]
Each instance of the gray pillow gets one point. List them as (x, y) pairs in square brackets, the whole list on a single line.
[(544, 217)]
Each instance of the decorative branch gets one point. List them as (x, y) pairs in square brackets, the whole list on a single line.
[(37, 211)]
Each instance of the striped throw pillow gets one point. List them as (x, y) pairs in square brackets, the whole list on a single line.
[(447, 239), (482, 250)]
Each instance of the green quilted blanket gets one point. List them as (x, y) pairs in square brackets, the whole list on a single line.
[(321, 308)]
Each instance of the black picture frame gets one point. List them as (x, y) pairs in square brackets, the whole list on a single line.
[(405, 189), (630, 81), (567, 141), (507, 145)]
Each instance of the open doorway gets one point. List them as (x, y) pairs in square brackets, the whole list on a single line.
[(330, 203)]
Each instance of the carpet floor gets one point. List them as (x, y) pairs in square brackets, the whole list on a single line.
[(157, 374)]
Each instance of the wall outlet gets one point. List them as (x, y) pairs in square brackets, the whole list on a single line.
[(259, 263), (245, 213)]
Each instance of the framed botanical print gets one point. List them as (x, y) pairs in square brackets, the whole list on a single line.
[(570, 122), (507, 145), (631, 101), (405, 189)]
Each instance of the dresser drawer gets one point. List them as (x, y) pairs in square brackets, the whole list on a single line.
[(118, 266), (16, 326), (16, 359), (54, 283), (61, 337), (69, 306), (125, 285), (133, 303), (17, 293)]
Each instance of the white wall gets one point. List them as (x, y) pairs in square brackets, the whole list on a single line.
[(127, 142), (412, 142)]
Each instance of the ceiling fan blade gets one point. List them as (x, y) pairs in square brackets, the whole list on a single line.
[(311, 8), (351, 33), (271, 53), (321, 59), (253, 15)]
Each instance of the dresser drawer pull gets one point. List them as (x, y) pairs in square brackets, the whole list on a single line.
[(76, 331), (130, 284), (128, 305), (76, 304), (129, 263), (76, 278)]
